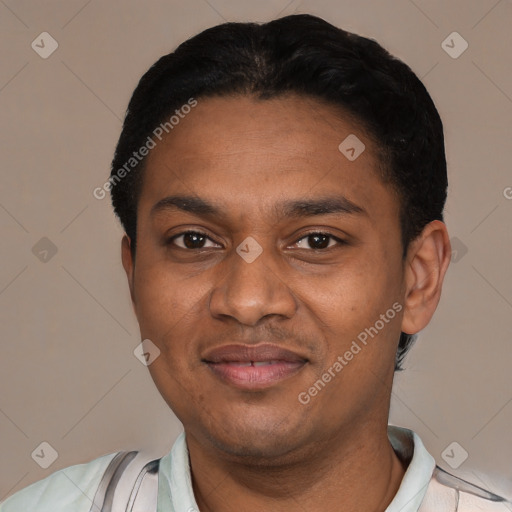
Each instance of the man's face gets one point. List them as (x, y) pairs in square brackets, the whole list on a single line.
[(268, 175)]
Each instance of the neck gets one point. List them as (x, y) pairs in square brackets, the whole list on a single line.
[(358, 470)]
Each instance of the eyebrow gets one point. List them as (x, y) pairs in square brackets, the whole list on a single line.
[(290, 208)]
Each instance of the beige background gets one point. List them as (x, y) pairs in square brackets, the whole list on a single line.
[(67, 372)]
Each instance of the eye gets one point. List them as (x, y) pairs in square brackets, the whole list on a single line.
[(192, 240), (318, 241)]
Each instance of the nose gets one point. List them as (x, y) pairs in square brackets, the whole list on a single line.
[(250, 291)]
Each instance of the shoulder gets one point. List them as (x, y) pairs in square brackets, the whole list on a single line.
[(447, 492), (470, 503), (72, 488)]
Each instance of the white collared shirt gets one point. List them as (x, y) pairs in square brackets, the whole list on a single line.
[(73, 489), (175, 485)]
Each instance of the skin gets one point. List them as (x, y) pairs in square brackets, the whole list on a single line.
[(255, 450)]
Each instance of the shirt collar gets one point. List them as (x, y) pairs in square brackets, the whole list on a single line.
[(409, 448), (175, 491)]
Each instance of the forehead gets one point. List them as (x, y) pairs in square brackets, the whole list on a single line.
[(251, 153)]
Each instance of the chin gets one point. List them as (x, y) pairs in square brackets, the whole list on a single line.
[(254, 451), (258, 442)]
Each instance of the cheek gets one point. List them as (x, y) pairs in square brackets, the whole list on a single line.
[(169, 310), (352, 298), (165, 300), (347, 291), (178, 385)]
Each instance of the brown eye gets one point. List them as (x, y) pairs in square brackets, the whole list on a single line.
[(318, 241), (192, 240)]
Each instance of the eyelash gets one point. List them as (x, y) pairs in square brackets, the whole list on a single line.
[(339, 241)]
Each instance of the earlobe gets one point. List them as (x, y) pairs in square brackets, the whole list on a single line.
[(428, 258), (128, 264)]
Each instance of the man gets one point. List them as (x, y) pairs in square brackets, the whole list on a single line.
[(282, 188)]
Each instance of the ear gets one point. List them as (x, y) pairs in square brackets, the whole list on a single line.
[(128, 264), (427, 260)]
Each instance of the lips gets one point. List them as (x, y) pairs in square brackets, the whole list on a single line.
[(253, 367)]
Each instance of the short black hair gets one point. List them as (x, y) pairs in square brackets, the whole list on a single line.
[(305, 55)]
